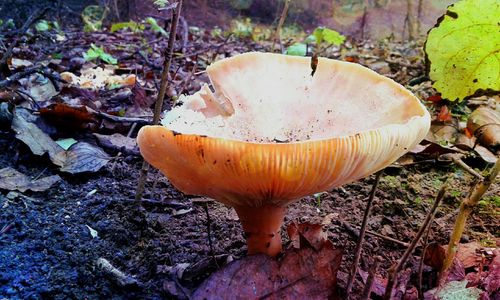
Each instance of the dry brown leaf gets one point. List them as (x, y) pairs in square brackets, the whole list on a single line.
[(11, 179), (306, 235), (484, 123), (300, 274)]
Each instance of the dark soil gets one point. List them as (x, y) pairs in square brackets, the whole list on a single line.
[(47, 251)]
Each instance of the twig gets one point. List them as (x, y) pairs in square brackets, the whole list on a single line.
[(185, 34), (161, 94), (277, 34), (369, 281), (463, 165), (355, 232), (465, 210), (35, 16), (142, 121), (421, 263), (121, 278), (362, 232), (393, 272), (19, 75), (209, 233)]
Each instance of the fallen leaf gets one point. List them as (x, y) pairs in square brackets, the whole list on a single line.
[(39, 87), (11, 179), (301, 274), (485, 154), (444, 114), (435, 98), (378, 285), (118, 141), (16, 63), (492, 281), (306, 235), (82, 157), (434, 255), (468, 255), (29, 133), (67, 118), (484, 123)]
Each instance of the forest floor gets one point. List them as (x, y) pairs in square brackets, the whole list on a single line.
[(53, 242)]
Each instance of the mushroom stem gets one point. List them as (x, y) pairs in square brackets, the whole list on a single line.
[(262, 228)]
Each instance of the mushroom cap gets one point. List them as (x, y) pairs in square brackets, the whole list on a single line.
[(271, 133)]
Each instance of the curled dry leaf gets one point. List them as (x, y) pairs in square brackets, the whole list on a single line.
[(484, 123), (11, 179), (301, 274)]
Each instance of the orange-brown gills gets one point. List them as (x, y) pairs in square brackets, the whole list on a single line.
[(341, 124)]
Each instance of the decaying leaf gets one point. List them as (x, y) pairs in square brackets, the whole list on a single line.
[(464, 49), (27, 131), (484, 123), (11, 179), (67, 117), (306, 234), (304, 273), (118, 141), (492, 280), (82, 157), (39, 87)]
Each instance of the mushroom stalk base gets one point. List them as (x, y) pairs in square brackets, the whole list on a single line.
[(262, 228)]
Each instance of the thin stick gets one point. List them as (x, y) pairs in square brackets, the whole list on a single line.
[(369, 281), (421, 263), (464, 212), (393, 272), (161, 94), (362, 232), (277, 34), (121, 278), (463, 165)]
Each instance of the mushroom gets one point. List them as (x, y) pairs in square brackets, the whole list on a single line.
[(271, 133)]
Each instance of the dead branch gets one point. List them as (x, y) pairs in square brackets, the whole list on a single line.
[(161, 94), (393, 271), (369, 281), (277, 34), (465, 210), (362, 232), (355, 232)]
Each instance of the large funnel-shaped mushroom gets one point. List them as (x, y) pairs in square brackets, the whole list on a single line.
[(271, 133)]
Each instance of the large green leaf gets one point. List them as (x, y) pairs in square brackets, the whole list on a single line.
[(463, 50)]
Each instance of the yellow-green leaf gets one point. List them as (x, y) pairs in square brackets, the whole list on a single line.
[(463, 50)]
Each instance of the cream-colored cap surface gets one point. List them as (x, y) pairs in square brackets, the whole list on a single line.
[(271, 133)]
